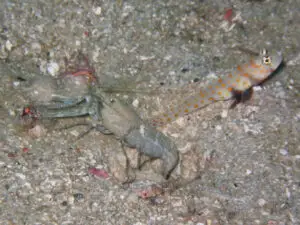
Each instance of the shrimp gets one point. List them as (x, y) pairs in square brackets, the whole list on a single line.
[(119, 119), (243, 78)]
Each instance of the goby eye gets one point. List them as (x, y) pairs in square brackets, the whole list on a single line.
[(267, 60)]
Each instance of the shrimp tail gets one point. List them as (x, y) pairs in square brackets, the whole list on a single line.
[(155, 144)]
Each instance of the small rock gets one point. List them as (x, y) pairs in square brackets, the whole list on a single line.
[(53, 68), (97, 10), (224, 113), (135, 103), (204, 125), (257, 88), (71, 200), (283, 151), (8, 45), (261, 202), (77, 43), (218, 127), (74, 133), (37, 131), (16, 83), (181, 122), (36, 47), (132, 198), (21, 176), (133, 157)]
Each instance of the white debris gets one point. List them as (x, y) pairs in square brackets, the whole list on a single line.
[(97, 10), (218, 127), (168, 57), (77, 43), (283, 151), (294, 61), (204, 125), (181, 121), (144, 58), (172, 73), (257, 88), (185, 148), (21, 176), (135, 103), (36, 47), (11, 112), (96, 54), (16, 83), (254, 129), (52, 68), (74, 133), (212, 76), (288, 193), (142, 130), (224, 113), (8, 45), (261, 202), (37, 131)]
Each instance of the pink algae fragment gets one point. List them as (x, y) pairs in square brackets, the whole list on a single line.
[(152, 191), (228, 15), (144, 194), (98, 172), (25, 150)]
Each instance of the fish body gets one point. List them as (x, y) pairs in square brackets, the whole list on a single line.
[(239, 80)]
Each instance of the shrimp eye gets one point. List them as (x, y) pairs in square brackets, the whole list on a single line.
[(267, 60)]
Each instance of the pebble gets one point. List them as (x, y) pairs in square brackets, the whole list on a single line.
[(11, 112), (36, 47), (283, 151), (77, 43), (74, 133), (21, 176), (16, 83), (261, 202), (37, 131), (257, 88), (52, 68), (248, 172), (204, 125), (224, 113), (71, 200), (8, 45), (219, 127), (132, 198), (97, 10), (135, 103)]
